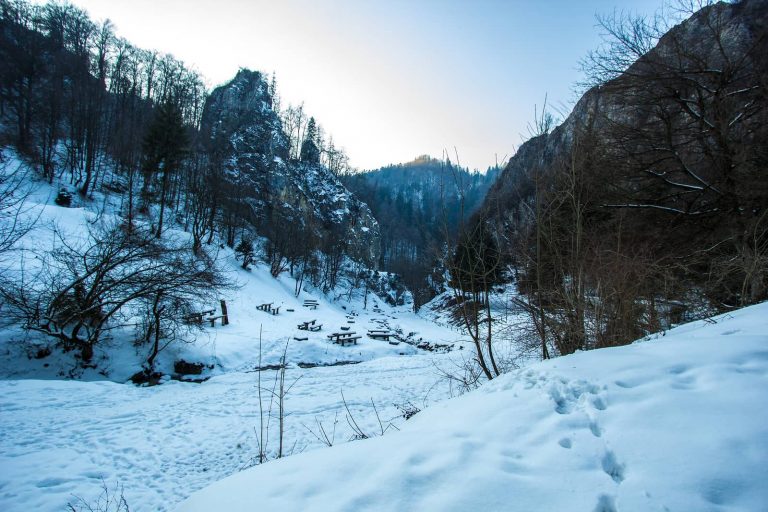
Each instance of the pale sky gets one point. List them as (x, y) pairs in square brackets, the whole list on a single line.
[(389, 79)]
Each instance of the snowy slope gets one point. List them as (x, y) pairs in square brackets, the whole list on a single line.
[(230, 348), (674, 423), (62, 438)]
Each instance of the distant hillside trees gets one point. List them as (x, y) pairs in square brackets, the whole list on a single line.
[(165, 146), (76, 93), (420, 206)]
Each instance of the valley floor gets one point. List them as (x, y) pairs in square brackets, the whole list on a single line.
[(62, 438), (676, 422)]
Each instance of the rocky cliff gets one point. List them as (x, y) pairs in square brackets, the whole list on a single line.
[(268, 190), (702, 88), (652, 193)]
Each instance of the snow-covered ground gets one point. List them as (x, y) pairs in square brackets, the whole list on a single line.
[(62, 439), (675, 423)]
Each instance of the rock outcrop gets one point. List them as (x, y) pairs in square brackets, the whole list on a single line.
[(696, 50), (262, 184)]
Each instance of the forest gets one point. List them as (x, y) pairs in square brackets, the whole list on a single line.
[(113, 122), (420, 206), (646, 207)]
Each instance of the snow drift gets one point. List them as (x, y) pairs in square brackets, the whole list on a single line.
[(676, 422)]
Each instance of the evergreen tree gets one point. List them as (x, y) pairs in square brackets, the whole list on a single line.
[(309, 149), (245, 250), (164, 148)]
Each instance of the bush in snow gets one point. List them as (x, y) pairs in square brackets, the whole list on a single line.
[(64, 198), (245, 251)]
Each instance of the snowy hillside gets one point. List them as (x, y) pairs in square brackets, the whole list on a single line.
[(60, 439), (677, 422)]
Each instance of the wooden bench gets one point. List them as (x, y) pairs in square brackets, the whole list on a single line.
[(315, 328), (304, 326), (275, 311), (301, 338), (310, 303), (380, 335), (344, 327), (213, 319), (344, 337), (197, 318), (265, 307)]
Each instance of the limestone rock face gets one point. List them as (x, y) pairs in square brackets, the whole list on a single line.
[(602, 108), (268, 190)]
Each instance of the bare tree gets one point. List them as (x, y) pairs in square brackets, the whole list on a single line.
[(15, 218), (79, 291)]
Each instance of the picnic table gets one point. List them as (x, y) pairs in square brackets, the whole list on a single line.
[(344, 337), (309, 325), (377, 334), (197, 318)]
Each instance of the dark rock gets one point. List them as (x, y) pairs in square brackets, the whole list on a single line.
[(182, 367), (146, 377)]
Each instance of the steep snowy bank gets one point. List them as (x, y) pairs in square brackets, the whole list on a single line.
[(673, 423)]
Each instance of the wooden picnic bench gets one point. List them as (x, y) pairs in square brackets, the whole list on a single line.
[(380, 335), (265, 307), (301, 338), (305, 326), (344, 337), (197, 318), (213, 319), (310, 303)]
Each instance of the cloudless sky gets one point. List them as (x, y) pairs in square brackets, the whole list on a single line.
[(389, 79)]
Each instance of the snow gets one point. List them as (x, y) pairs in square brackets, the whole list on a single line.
[(672, 423), (62, 438)]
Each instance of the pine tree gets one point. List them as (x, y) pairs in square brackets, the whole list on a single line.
[(309, 151), (164, 148), (245, 250)]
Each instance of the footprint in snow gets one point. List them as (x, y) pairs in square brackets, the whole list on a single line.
[(678, 369), (606, 503), (612, 467), (599, 403), (595, 428)]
